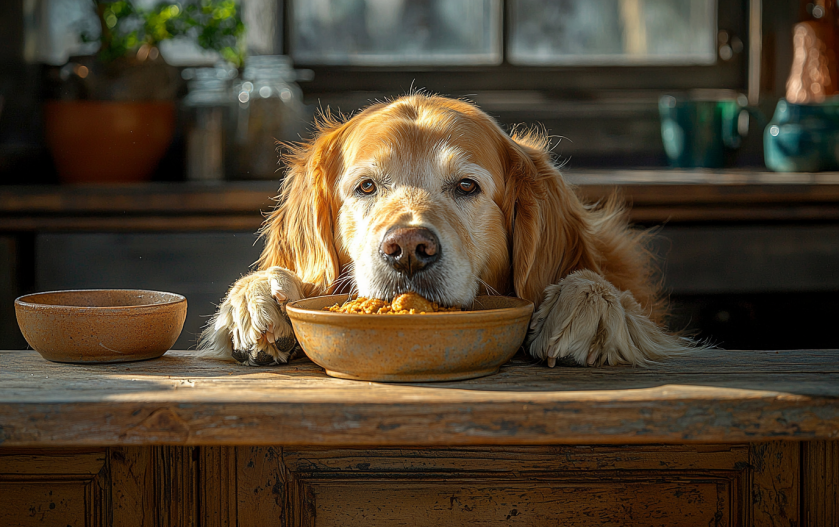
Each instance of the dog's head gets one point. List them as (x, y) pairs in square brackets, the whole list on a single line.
[(426, 194)]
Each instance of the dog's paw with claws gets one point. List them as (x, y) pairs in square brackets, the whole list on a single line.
[(587, 321), (251, 325)]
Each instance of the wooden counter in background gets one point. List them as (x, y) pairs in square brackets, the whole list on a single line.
[(719, 438), (656, 196)]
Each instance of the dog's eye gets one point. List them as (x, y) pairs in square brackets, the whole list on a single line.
[(466, 187), (367, 187)]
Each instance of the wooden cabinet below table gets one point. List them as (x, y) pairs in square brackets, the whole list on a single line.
[(775, 483)]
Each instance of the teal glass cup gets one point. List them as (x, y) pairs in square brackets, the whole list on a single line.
[(803, 137), (699, 133)]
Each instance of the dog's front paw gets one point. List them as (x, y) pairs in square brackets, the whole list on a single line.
[(251, 325), (588, 321)]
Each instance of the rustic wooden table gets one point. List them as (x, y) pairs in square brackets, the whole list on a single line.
[(719, 438)]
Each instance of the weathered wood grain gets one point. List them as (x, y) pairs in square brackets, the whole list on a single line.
[(218, 486), (710, 484), (132, 473), (71, 461), (54, 488), (176, 486), (654, 502), (241, 486), (43, 502), (591, 485), (154, 486), (515, 461), (260, 486), (820, 483), (775, 484), (712, 397)]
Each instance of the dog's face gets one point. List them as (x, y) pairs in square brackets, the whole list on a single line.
[(420, 202), (425, 194)]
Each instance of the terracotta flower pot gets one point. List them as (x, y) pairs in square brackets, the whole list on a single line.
[(107, 141)]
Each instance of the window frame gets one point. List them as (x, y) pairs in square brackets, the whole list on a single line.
[(567, 81)]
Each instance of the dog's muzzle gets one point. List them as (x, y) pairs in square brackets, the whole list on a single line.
[(409, 250)]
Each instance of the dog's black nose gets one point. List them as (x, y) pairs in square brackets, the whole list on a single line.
[(410, 249)]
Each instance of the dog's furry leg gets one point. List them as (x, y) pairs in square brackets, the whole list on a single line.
[(585, 319), (251, 325)]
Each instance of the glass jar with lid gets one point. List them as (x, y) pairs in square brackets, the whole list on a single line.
[(209, 109), (270, 111)]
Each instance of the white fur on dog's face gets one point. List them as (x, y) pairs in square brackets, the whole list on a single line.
[(416, 170)]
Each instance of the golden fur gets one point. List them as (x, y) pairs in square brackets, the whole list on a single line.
[(527, 234)]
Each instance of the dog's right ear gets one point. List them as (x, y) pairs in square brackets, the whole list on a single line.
[(550, 235), (299, 232)]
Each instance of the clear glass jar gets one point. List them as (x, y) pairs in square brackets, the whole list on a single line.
[(270, 111), (209, 117)]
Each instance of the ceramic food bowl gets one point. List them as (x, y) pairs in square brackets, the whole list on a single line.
[(411, 348), (101, 325)]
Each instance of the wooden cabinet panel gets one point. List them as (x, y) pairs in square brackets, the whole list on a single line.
[(724, 485), (44, 502), (591, 485), (122, 486), (49, 488), (659, 500)]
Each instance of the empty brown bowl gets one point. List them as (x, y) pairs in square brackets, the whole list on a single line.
[(101, 325), (442, 346)]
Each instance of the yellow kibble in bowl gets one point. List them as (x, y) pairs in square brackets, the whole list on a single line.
[(409, 303)]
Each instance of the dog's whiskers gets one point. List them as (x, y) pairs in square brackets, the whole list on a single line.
[(346, 278), (491, 291)]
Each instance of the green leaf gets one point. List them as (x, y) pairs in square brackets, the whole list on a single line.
[(214, 25)]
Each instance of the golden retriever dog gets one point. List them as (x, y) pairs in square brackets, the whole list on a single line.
[(429, 194)]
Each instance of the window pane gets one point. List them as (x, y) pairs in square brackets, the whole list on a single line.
[(395, 32), (54, 27), (618, 32)]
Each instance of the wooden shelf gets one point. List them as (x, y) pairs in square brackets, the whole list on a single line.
[(656, 196), (149, 198)]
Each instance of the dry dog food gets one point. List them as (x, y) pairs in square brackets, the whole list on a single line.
[(405, 304)]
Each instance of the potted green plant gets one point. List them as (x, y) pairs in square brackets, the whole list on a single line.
[(115, 114)]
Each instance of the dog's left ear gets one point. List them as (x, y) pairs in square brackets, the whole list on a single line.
[(546, 219)]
